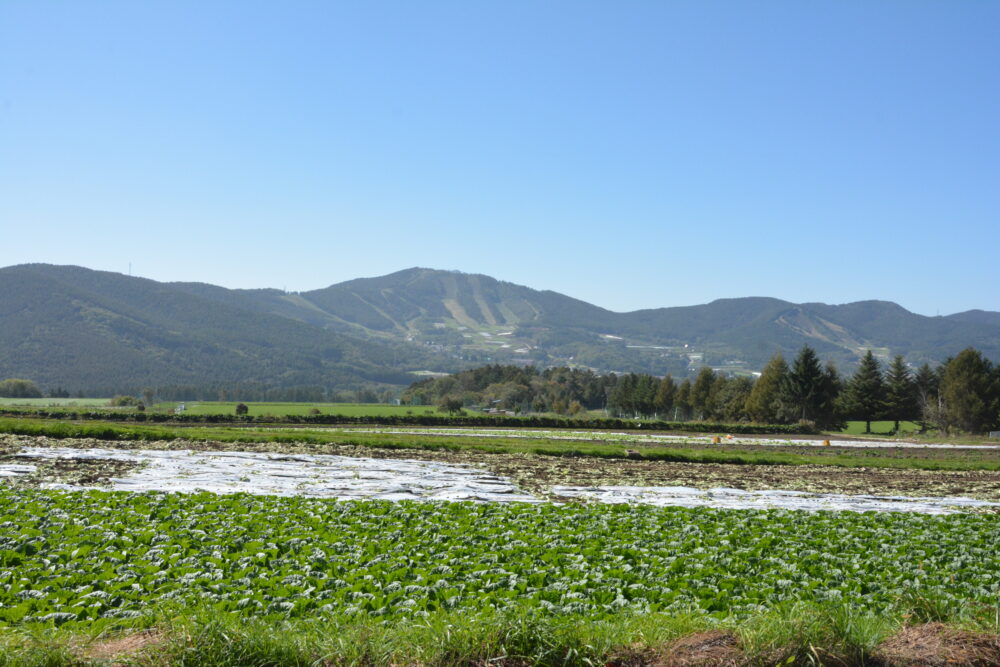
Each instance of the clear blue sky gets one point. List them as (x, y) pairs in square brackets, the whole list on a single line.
[(632, 154)]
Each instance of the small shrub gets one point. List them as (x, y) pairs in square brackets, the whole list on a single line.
[(124, 401)]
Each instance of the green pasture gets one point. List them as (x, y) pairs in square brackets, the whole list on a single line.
[(881, 428), (55, 402), (299, 409)]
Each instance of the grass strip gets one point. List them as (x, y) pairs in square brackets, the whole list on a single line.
[(791, 634)]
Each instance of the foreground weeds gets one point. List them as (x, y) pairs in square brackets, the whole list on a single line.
[(794, 635)]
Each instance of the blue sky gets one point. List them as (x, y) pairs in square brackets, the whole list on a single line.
[(632, 154)]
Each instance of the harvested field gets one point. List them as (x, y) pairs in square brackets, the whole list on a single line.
[(328, 471), (539, 473)]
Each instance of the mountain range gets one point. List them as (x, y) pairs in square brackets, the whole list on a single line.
[(98, 331)]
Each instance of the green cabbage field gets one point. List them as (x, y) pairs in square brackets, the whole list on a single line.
[(68, 558)]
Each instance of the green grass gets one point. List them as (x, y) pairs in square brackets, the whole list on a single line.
[(299, 409), (52, 402), (881, 428), (203, 638)]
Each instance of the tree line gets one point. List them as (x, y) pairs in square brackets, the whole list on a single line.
[(235, 391), (962, 394), (518, 389), (19, 388)]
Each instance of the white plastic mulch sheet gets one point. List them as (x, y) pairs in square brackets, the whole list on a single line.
[(15, 469), (350, 478), (661, 438), (685, 496), (295, 475)]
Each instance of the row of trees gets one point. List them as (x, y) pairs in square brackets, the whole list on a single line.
[(238, 391), (18, 388), (962, 394), (807, 391), (516, 389), (258, 392)]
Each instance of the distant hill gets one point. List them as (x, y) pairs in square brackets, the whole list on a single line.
[(484, 319), (81, 329), (75, 327)]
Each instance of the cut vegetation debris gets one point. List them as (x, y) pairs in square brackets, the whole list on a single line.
[(385, 478)]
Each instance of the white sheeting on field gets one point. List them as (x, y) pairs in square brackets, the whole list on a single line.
[(350, 478), (621, 437), (685, 496), (15, 469), (323, 476)]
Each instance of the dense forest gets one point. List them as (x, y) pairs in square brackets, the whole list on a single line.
[(962, 394)]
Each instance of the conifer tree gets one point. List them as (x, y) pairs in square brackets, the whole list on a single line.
[(900, 393), (715, 408), (731, 398), (970, 390), (701, 392), (803, 386), (926, 382), (831, 387), (764, 404), (682, 401), (645, 395), (622, 400), (865, 397), (665, 393)]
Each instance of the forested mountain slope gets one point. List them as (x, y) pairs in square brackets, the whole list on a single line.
[(78, 328), (488, 320), (81, 328)]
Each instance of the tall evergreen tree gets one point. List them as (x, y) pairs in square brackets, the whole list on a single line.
[(731, 399), (927, 382), (717, 395), (682, 401), (970, 392), (701, 391), (645, 395), (865, 398), (665, 393), (831, 387), (622, 399), (803, 387), (900, 393), (764, 404)]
